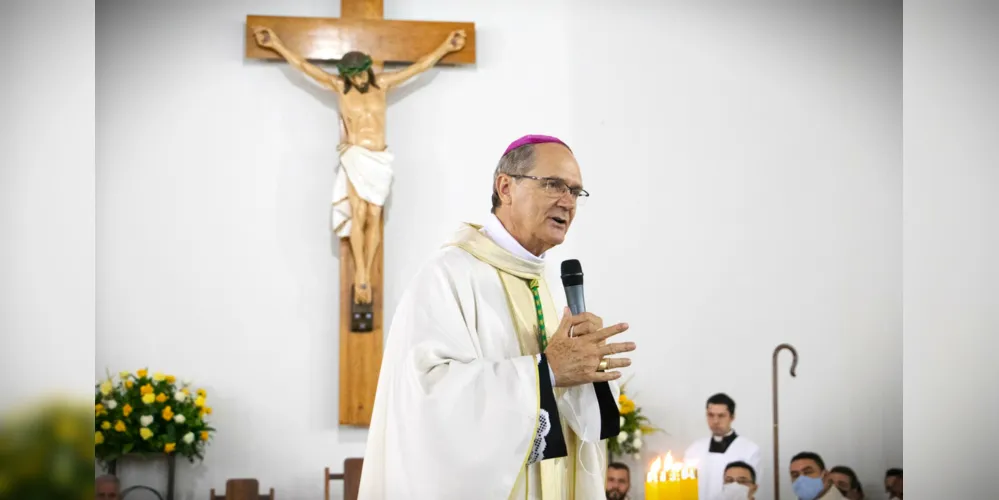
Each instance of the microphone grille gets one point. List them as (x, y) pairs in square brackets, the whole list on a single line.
[(572, 272)]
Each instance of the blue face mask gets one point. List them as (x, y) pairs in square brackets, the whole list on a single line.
[(808, 488)]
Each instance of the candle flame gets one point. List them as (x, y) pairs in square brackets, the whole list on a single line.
[(667, 469), (654, 469)]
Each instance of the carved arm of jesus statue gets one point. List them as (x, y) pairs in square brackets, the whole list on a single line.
[(362, 114)]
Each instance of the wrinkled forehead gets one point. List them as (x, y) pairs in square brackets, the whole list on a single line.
[(555, 160)]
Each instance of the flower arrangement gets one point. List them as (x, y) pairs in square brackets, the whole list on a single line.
[(634, 426), (142, 414), (45, 450)]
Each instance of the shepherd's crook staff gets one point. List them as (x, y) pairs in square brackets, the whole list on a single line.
[(794, 364)]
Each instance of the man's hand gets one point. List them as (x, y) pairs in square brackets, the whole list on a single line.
[(575, 360), (456, 40), (265, 37)]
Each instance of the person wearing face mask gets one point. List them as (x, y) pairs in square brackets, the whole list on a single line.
[(845, 480), (739, 483), (712, 454), (893, 484), (810, 479)]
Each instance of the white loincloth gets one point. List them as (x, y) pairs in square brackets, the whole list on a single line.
[(370, 172)]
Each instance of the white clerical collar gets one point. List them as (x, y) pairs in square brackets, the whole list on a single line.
[(495, 231), (719, 439)]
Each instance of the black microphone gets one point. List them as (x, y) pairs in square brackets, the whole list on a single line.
[(572, 281)]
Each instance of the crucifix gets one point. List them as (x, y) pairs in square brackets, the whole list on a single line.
[(361, 42)]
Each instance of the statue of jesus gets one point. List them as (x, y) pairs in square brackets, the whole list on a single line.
[(365, 176)]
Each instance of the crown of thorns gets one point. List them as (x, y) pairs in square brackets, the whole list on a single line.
[(351, 66)]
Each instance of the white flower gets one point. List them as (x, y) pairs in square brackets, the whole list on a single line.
[(111, 404), (146, 420), (636, 456), (622, 437), (189, 437), (187, 382), (179, 396), (622, 421), (637, 443), (179, 419)]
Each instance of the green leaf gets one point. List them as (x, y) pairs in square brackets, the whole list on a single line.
[(128, 447)]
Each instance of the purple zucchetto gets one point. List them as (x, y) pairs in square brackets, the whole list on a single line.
[(534, 139)]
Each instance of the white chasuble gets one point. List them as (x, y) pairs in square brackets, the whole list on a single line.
[(460, 410)]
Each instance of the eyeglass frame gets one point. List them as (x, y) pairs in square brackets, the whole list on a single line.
[(580, 192)]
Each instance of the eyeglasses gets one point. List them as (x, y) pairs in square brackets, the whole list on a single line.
[(557, 188)]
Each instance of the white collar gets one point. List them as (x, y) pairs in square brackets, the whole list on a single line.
[(719, 439), (495, 231)]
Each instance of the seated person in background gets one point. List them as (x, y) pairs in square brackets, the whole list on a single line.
[(107, 487), (893, 483), (844, 479), (723, 447), (740, 482), (810, 479), (618, 481)]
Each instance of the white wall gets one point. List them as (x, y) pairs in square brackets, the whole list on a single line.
[(46, 204), (951, 273), (746, 178)]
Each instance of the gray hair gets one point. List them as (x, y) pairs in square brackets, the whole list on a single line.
[(520, 161)]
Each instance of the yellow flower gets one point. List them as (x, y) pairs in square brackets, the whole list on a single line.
[(99, 410), (127, 409), (202, 393), (124, 375), (185, 391), (208, 410), (159, 377), (169, 447), (98, 437), (129, 384), (167, 413), (161, 398), (200, 401), (626, 409), (204, 435), (146, 389), (148, 398), (106, 387), (141, 373), (145, 433), (105, 425), (171, 379), (119, 426)]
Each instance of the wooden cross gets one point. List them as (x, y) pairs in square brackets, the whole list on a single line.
[(360, 28)]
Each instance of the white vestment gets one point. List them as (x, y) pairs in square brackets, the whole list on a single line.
[(711, 466), (370, 172), (457, 405)]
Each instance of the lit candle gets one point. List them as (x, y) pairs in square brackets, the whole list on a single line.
[(671, 480), (652, 480), (688, 481)]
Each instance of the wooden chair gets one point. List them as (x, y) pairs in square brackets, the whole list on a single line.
[(351, 478), (242, 489)]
